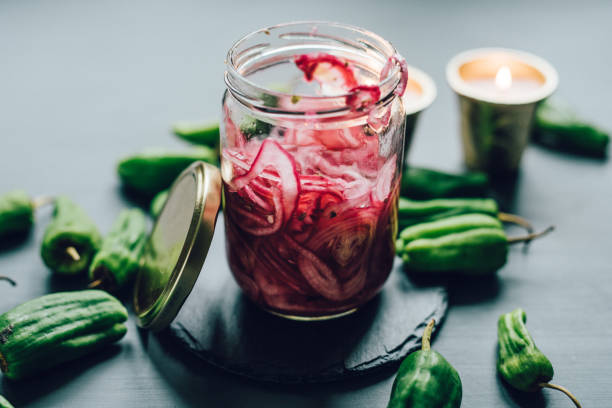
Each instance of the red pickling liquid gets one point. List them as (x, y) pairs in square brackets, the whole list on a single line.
[(311, 215)]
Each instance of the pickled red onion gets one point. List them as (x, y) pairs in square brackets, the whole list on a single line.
[(363, 97), (271, 154), (323, 68), (397, 59), (309, 210), (322, 278)]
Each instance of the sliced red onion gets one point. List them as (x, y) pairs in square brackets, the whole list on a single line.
[(397, 59), (377, 121), (263, 224), (326, 69), (261, 187), (321, 277), (271, 154), (309, 209), (384, 180), (363, 97), (233, 136), (274, 263), (256, 199)]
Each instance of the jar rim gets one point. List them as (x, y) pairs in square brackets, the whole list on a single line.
[(238, 81)]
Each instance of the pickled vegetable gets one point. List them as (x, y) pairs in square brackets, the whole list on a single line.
[(311, 215)]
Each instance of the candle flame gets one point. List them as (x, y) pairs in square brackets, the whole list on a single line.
[(503, 78)]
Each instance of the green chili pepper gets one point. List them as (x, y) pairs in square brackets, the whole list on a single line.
[(155, 170), (470, 244), (425, 208), (426, 379), (4, 403), (202, 133), (413, 212), (71, 239), (421, 183), (558, 127), (16, 214), (477, 252), (520, 363), (158, 202), (116, 263), (447, 226)]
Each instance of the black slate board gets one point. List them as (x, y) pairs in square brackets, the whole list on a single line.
[(221, 326)]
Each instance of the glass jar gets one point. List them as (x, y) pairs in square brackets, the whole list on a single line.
[(311, 150)]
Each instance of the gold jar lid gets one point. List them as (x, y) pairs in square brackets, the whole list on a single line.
[(177, 247)]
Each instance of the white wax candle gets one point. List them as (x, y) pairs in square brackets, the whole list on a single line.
[(505, 86), (519, 87), (411, 97)]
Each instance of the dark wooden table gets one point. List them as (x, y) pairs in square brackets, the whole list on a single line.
[(83, 83)]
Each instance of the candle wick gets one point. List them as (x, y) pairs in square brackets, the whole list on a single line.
[(503, 78)]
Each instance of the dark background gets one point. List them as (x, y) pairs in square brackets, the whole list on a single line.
[(83, 83)]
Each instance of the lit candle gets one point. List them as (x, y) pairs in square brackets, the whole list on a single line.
[(505, 86), (498, 90)]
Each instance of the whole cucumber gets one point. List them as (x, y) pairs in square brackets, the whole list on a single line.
[(116, 263), (71, 239), (56, 328), (154, 170), (16, 214)]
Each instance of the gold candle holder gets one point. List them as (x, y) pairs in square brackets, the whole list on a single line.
[(420, 93), (498, 90)]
